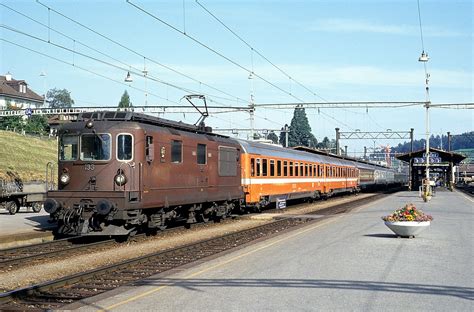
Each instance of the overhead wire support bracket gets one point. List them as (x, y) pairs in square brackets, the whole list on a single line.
[(205, 113), (373, 135)]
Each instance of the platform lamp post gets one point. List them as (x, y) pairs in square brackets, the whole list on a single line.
[(43, 75), (426, 187)]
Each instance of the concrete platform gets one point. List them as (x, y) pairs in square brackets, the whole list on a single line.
[(346, 263), (24, 227)]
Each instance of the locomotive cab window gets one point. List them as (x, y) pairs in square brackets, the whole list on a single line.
[(177, 151), (68, 147), (95, 146), (201, 154), (124, 147)]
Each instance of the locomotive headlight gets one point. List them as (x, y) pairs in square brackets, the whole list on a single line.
[(120, 179), (64, 178)]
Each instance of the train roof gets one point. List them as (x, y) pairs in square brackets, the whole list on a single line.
[(251, 147), (145, 119)]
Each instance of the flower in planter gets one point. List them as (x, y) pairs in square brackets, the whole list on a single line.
[(408, 213)]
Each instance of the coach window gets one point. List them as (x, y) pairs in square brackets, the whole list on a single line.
[(264, 167), (201, 154), (124, 147), (272, 168), (297, 169), (302, 169), (291, 168), (279, 168), (259, 167), (177, 152), (285, 168), (252, 167)]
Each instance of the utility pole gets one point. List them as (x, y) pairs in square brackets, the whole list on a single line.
[(427, 186), (338, 137)]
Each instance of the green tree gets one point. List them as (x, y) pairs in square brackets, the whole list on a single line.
[(125, 100), (59, 98), (11, 122), (300, 130), (36, 124), (272, 136)]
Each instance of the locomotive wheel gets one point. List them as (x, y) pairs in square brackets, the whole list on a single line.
[(12, 207), (36, 206)]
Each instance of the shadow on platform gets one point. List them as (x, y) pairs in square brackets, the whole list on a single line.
[(382, 235), (41, 223), (407, 288)]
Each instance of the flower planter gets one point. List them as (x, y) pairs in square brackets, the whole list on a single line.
[(407, 228)]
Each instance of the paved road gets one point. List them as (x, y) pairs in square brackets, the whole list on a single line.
[(349, 263)]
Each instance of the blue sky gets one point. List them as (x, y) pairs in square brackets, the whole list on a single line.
[(341, 50)]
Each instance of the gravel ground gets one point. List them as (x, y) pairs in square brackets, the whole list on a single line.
[(65, 266)]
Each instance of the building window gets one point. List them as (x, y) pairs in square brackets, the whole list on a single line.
[(201, 154), (177, 152), (22, 88)]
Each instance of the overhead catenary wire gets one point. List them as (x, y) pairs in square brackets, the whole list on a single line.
[(226, 58), (128, 68), (253, 49), (138, 53), (212, 49), (83, 68)]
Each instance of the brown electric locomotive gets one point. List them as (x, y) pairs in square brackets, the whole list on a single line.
[(119, 171)]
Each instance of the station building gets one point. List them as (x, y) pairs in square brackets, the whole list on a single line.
[(441, 165)]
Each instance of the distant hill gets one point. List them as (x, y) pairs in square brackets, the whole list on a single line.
[(26, 155), (458, 142)]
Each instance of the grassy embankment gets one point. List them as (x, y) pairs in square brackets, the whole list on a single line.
[(26, 155)]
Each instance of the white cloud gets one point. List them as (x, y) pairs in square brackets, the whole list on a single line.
[(354, 26)]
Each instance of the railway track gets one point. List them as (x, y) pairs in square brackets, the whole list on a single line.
[(67, 290), (466, 189), (30, 254), (17, 257)]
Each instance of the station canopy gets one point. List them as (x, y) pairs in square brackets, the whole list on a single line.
[(436, 156)]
